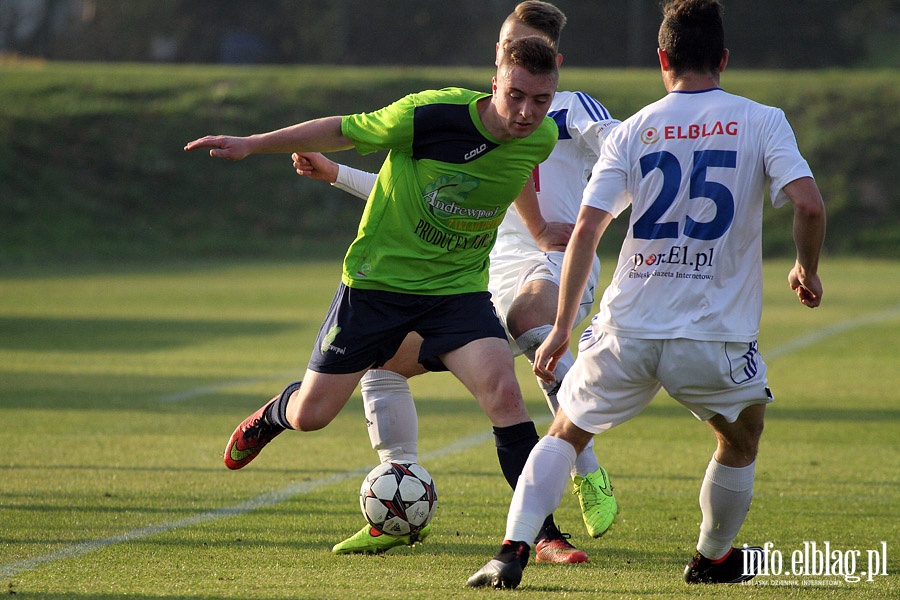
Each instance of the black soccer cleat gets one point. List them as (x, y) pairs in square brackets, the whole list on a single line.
[(740, 564), (505, 569)]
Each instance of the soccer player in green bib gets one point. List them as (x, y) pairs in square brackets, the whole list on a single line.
[(456, 160)]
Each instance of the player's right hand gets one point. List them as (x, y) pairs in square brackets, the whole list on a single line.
[(315, 166), (555, 236), (547, 356)]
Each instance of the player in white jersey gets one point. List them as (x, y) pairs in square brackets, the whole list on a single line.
[(524, 283), (517, 260), (682, 312)]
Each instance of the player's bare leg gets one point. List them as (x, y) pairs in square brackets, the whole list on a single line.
[(296, 407), (485, 367), (319, 400), (530, 319), (406, 360)]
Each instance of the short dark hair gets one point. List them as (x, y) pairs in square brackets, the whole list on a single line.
[(540, 16), (692, 35), (532, 53)]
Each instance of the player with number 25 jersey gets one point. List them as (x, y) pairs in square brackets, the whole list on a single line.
[(702, 159)]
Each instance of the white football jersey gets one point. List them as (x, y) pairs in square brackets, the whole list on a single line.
[(694, 167), (560, 180)]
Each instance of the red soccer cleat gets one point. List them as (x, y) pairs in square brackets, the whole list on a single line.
[(553, 547), (249, 438)]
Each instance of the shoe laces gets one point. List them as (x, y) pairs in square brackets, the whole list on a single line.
[(552, 532), (257, 429), (590, 492)]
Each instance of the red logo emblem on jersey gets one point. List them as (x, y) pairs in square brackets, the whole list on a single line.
[(650, 135)]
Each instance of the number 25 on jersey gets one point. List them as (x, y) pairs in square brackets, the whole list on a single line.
[(648, 225)]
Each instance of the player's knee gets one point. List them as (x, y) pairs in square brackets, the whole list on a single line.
[(407, 369), (504, 405), (755, 431), (524, 317), (306, 419), (750, 426), (743, 446), (738, 442)]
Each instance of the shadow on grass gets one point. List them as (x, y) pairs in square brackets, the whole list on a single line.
[(668, 408), (120, 335)]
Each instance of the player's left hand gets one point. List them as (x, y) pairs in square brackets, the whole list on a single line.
[(222, 146), (807, 286)]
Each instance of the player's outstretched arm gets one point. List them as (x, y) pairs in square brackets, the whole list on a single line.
[(223, 146), (809, 234), (318, 135)]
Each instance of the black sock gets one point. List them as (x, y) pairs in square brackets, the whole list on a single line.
[(276, 413), (513, 445), (511, 551), (548, 529)]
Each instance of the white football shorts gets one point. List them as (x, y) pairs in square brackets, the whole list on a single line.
[(513, 267), (615, 378)]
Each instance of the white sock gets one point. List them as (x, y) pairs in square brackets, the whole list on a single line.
[(540, 488), (586, 461), (529, 342), (724, 502), (390, 415)]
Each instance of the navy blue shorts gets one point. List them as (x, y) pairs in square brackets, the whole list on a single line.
[(364, 328)]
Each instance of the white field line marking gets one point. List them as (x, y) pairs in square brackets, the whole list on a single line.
[(279, 496), (821, 334), (262, 501), (219, 387)]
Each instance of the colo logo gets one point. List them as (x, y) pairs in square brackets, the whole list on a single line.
[(473, 153)]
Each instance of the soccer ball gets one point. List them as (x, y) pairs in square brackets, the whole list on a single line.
[(398, 498)]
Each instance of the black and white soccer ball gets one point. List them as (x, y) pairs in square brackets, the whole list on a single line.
[(398, 498)]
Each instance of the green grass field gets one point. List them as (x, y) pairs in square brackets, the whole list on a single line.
[(119, 389)]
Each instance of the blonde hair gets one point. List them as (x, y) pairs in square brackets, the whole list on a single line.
[(540, 16)]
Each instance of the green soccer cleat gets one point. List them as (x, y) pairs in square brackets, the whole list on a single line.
[(369, 540), (598, 505)]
